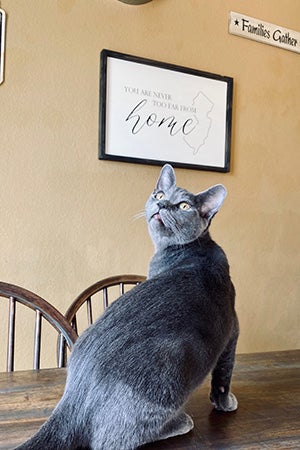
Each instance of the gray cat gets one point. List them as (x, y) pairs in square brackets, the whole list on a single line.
[(132, 371)]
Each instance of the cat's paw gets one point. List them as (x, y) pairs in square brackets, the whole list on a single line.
[(187, 424), (177, 426), (224, 402)]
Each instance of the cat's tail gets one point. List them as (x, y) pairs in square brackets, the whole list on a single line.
[(57, 433)]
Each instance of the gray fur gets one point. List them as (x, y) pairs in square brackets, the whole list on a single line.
[(132, 371)]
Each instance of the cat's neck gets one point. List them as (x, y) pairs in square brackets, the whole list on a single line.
[(182, 256)]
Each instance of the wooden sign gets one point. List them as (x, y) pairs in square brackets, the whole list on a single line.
[(265, 32), (2, 43)]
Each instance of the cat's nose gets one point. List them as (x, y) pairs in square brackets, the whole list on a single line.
[(161, 205)]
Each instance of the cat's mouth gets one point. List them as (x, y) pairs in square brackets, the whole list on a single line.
[(157, 217)]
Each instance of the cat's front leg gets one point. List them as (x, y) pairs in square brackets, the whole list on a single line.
[(220, 395), (224, 402)]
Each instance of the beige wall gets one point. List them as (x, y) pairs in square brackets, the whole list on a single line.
[(67, 218)]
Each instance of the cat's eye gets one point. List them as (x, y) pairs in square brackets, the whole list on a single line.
[(184, 205), (159, 195)]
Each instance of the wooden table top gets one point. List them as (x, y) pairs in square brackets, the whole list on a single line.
[(267, 386)]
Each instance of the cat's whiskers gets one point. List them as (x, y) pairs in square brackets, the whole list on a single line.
[(139, 215)]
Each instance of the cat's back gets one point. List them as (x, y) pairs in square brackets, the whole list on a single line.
[(191, 289)]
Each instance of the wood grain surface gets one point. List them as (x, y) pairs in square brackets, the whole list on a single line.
[(267, 386)]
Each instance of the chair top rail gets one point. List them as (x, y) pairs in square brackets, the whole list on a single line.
[(98, 286), (49, 312)]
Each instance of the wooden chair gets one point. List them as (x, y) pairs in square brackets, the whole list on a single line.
[(103, 286), (43, 309), (103, 289)]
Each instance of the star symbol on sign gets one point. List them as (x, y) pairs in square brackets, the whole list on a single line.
[(236, 22)]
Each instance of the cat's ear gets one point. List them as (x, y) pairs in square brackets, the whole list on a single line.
[(211, 200), (166, 178)]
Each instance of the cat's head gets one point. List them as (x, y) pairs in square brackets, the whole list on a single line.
[(175, 216)]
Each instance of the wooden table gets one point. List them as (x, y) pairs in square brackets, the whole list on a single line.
[(267, 386)]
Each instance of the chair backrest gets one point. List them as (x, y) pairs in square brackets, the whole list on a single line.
[(42, 309), (103, 287)]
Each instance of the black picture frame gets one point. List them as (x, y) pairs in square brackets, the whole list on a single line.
[(152, 112), (2, 43)]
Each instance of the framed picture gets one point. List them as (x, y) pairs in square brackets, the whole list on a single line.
[(152, 113), (2, 39)]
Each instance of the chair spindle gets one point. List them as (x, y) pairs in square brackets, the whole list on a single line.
[(89, 311), (105, 298), (37, 340), (122, 288), (11, 335), (61, 351)]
